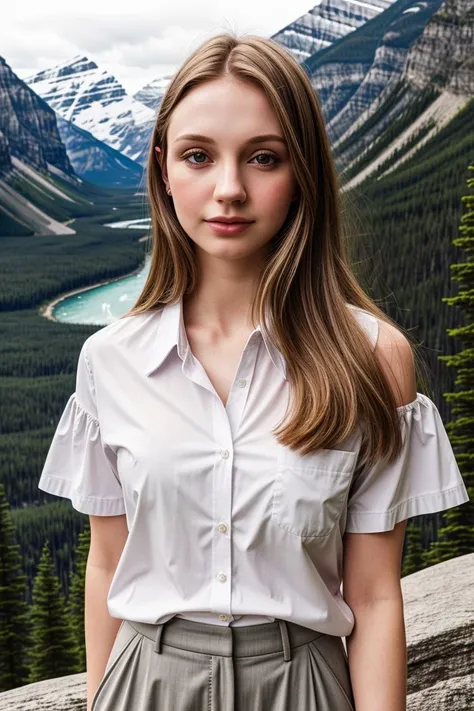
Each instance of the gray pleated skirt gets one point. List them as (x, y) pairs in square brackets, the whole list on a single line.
[(183, 665)]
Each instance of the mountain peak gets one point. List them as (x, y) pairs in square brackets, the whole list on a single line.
[(325, 23), (77, 65), (90, 97)]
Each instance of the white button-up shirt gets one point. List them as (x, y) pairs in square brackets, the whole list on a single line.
[(226, 525)]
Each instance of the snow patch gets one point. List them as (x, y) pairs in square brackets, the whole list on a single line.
[(130, 224)]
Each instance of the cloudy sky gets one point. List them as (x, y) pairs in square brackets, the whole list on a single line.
[(136, 41)]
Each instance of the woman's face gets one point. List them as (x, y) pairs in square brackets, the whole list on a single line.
[(227, 174)]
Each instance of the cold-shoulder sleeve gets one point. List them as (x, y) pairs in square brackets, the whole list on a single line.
[(78, 466), (425, 478)]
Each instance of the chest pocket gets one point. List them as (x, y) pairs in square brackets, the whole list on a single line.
[(310, 491)]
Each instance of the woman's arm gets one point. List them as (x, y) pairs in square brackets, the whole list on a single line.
[(377, 656), (108, 537), (376, 648), (100, 628)]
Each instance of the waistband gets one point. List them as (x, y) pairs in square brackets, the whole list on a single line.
[(243, 641)]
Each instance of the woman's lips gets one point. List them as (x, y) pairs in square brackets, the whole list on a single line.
[(228, 228)]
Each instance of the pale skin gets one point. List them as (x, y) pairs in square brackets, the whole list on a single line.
[(225, 177)]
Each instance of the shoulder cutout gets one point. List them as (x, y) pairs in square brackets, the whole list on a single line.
[(369, 322), (395, 355)]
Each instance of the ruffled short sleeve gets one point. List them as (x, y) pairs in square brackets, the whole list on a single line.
[(425, 478), (78, 466)]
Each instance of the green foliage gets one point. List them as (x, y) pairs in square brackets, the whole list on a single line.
[(14, 624), (391, 103), (456, 537), (410, 218), (405, 248), (405, 147), (413, 558), (35, 269), (382, 143), (76, 602), (10, 226), (38, 360), (54, 651), (56, 522)]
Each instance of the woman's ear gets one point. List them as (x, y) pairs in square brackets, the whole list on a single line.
[(159, 157)]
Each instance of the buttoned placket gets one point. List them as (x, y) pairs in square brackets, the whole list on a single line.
[(225, 422)]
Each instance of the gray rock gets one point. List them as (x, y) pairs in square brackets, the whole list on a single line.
[(28, 128), (443, 56), (439, 622)]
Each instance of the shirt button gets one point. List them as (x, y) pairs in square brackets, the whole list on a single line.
[(222, 527), (242, 383), (223, 617), (224, 453), (222, 577)]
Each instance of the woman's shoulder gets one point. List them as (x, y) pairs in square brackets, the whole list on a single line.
[(129, 332), (394, 353), (368, 321)]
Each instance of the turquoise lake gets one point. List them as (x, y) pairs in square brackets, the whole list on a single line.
[(103, 304)]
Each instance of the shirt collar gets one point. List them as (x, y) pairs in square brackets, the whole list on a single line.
[(171, 333)]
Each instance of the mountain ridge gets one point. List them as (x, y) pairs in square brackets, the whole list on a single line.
[(79, 91)]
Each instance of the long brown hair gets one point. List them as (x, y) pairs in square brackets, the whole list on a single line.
[(306, 281)]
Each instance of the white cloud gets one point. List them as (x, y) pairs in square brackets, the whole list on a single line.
[(134, 47)]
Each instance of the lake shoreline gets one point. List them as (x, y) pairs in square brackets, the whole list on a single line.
[(47, 309)]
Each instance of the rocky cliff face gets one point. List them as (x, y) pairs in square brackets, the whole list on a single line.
[(430, 76), (350, 76), (439, 621), (326, 23), (95, 161), (28, 128), (384, 72), (5, 155), (443, 56)]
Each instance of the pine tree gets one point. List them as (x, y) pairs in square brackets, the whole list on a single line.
[(54, 652), (456, 537), (76, 601), (14, 622), (413, 559)]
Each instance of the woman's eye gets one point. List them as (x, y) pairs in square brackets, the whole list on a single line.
[(266, 155), (187, 157)]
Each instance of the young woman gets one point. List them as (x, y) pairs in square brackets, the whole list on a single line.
[(220, 531)]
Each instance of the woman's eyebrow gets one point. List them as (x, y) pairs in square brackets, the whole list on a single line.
[(255, 139)]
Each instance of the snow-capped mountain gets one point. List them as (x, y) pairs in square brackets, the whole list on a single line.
[(94, 100), (325, 23), (320, 27), (95, 161), (151, 93)]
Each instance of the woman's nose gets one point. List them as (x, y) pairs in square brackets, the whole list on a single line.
[(229, 184)]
